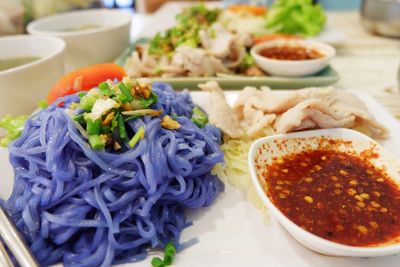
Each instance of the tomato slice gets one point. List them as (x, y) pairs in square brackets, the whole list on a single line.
[(85, 79)]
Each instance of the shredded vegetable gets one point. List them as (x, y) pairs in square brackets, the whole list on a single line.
[(236, 172)]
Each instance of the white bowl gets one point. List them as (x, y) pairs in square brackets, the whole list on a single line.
[(22, 87), (265, 149), (88, 46), (293, 68)]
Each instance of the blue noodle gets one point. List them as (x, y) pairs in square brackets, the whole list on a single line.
[(96, 208)]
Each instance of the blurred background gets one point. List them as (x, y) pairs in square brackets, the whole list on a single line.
[(15, 14)]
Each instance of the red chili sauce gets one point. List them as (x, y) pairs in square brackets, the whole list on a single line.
[(290, 52), (337, 196)]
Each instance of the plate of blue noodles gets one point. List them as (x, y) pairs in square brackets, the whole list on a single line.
[(104, 177)]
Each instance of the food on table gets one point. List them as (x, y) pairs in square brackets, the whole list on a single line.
[(291, 52), (213, 42), (244, 19), (261, 112), (221, 114), (85, 79), (197, 46), (296, 17), (103, 176), (336, 195), (258, 113), (10, 63), (13, 127)]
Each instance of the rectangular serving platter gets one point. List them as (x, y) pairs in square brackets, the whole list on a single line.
[(232, 232), (325, 77)]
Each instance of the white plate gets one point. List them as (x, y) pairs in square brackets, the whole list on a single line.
[(232, 233)]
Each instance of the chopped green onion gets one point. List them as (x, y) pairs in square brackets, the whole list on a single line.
[(168, 259), (140, 102), (43, 104), (169, 253), (122, 130), (104, 86), (174, 116), (125, 90), (138, 135), (81, 95), (105, 129), (87, 102), (157, 262), (114, 122), (170, 249), (93, 127), (122, 98), (79, 118), (14, 127), (96, 142), (199, 117)]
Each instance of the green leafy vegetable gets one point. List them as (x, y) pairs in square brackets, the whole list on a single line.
[(186, 31), (296, 17), (13, 126), (199, 117)]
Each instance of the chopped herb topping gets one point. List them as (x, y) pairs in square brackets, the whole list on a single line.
[(108, 107), (199, 117), (169, 255)]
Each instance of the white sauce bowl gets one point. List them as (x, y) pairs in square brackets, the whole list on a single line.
[(100, 44), (293, 68), (265, 149), (22, 87)]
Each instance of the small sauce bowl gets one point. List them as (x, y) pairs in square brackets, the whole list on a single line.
[(264, 151), (293, 68)]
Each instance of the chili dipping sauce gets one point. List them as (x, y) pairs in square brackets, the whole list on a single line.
[(291, 52), (337, 196)]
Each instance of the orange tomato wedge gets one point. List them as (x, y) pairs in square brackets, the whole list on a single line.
[(275, 36), (85, 79), (255, 10)]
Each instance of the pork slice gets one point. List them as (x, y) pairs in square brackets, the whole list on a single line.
[(315, 110), (221, 114), (217, 40), (349, 103)]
